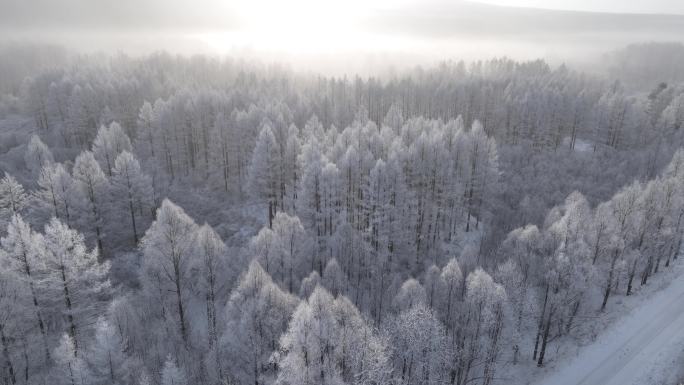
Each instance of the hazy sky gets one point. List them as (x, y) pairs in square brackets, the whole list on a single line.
[(630, 6), (414, 30)]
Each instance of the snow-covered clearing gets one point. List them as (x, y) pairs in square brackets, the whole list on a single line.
[(642, 348)]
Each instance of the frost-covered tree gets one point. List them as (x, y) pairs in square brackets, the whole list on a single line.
[(80, 121), (420, 351), (131, 188), (568, 270), (520, 301), (265, 246), (309, 284), (73, 280), (69, 368), (146, 127), (221, 150), (523, 246), (284, 250), (13, 198), (108, 144), (334, 279), (264, 177), (451, 287), (482, 328), (674, 174), (624, 207), (21, 254), (318, 198), (107, 360), (93, 185), (294, 250), (310, 195), (256, 314), (291, 170), (571, 235), (431, 285), (57, 192), (328, 342), (411, 294), (168, 248), (10, 325), (425, 172), (214, 268), (394, 117), (382, 218), (482, 172), (37, 156)]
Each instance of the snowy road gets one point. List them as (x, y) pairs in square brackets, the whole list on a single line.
[(633, 350)]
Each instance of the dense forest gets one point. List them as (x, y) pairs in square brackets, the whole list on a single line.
[(189, 220)]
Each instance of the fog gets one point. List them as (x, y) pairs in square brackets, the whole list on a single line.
[(344, 36)]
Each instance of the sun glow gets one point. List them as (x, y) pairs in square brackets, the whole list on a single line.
[(301, 26)]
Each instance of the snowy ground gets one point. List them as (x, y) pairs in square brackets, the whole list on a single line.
[(645, 347)]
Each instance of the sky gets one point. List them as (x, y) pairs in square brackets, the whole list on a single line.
[(333, 32), (618, 6)]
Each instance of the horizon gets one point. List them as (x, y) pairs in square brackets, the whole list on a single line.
[(338, 37)]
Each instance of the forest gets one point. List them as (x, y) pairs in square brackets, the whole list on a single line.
[(175, 220)]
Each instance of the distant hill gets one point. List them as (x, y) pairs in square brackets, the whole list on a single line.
[(465, 18), (565, 35)]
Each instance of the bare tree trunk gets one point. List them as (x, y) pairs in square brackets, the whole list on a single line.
[(632, 272), (27, 366), (545, 338), (41, 324), (96, 215), (5, 351), (270, 214), (541, 323), (493, 350), (647, 270), (70, 317), (135, 229), (575, 310), (609, 284), (179, 300)]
